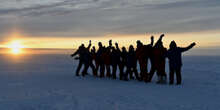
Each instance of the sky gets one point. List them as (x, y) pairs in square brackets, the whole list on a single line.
[(68, 23)]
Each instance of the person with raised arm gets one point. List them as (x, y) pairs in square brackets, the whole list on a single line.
[(174, 55), (143, 54), (89, 60), (158, 61), (107, 59), (100, 62), (84, 59), (115, 61)]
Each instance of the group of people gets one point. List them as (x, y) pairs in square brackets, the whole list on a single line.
[(105, 61)]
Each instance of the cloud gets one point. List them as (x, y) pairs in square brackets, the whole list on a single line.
[(81, 18)]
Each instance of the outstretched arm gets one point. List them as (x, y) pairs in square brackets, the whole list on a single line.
[(75, 53), (189, 47)]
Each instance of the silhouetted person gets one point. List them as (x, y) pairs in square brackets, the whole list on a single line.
[(143, 54), (85, 58), (79, 52), (131, 64), (100, 61), (106, 57), (115, 61), (121, 60), (94, 57), (124, 54), (89, 60), (174, 55), (158, 61)]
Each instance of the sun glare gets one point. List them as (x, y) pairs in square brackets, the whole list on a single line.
[(16, 47)]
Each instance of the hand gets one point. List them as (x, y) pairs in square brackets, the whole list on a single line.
[(152, 37), (90, 41), (162, 35), (193, 44)]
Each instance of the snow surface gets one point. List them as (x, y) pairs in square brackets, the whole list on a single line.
[(47, 82)]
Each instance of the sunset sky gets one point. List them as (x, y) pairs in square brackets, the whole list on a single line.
[(68, 23)]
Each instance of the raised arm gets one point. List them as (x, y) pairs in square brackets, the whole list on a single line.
[(152, 41), (187, 48), (110, 43), (90, 44), (161, 37), (159, 40)]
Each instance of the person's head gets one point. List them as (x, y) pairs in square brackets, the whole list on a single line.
[(100, 44), (159, 45), (131, 48), (113, 49), (93, 48), (139, 43), (173, 45), (81, 46), (104, 49), (123, 49)]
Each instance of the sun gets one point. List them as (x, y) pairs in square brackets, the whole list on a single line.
[(16, 47)]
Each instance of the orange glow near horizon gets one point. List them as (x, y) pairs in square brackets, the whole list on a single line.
[(202, 40), (20, 40), (16, 47)]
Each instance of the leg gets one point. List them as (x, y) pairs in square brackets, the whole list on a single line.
[(78, 68), (131, 73), (121, 68), (178, 76), (114, 71), (151, 74), (163, 75), (143, 69), (97, 68), (102, 70), (128, 71), (159, 76), (171, 75), (108, 74), (86, 66), (93, 69), (136, 74)]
